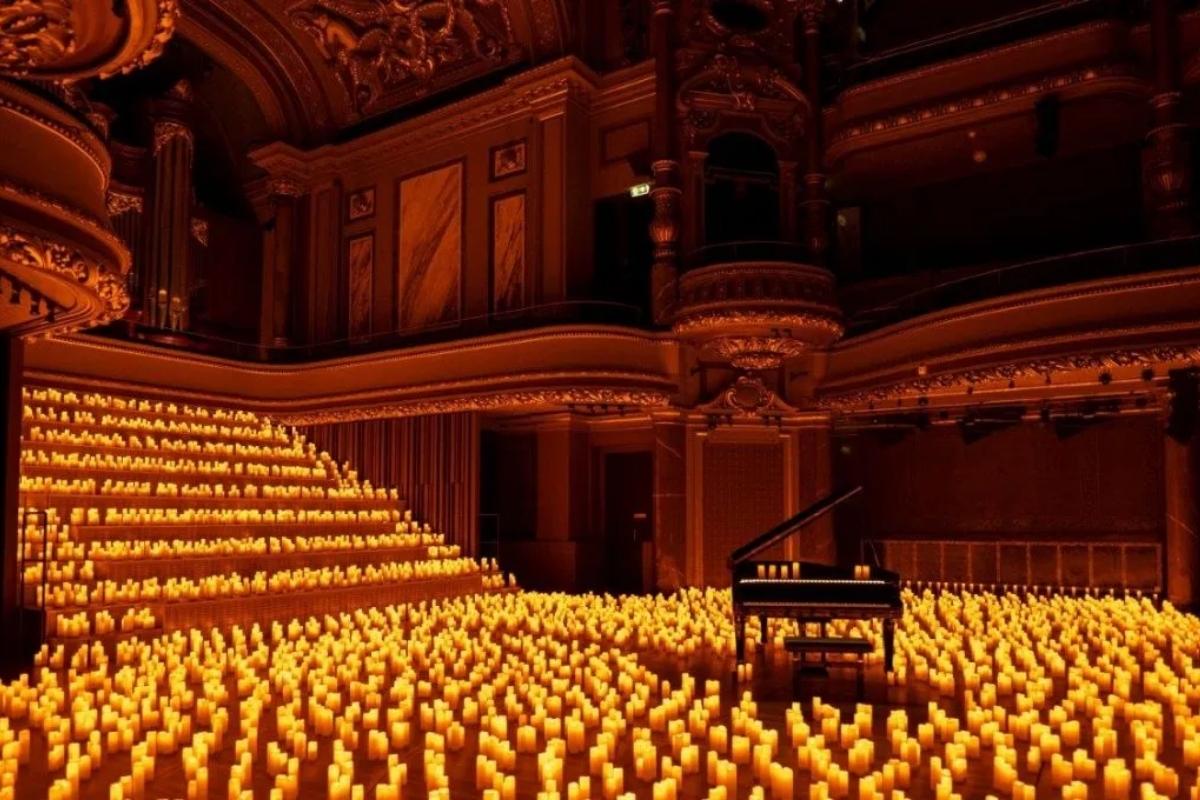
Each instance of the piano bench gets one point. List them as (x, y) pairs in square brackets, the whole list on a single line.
[(798, 646), (823, 644)]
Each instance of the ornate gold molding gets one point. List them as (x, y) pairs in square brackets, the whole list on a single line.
[(34, 34), (708, 321), (286, 186), (164, 29), (1041, 367), (747, 396), (756, 352), (518, 399), (36, 252), (119, 202), (167, 129)]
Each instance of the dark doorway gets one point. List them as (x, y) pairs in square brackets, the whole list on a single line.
[(624, 251), (628, 522), (741, 193)]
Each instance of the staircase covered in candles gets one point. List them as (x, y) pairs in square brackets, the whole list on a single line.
[(141, 516)]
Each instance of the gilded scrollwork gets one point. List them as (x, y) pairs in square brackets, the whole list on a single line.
[(119, 202), (35, 252), (379, 45), (1042, 367), (530, 398), (34, 34)]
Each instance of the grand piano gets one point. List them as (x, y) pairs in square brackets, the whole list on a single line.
[(807, 591)]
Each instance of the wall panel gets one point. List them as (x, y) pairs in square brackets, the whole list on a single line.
[(743, 496), (432, 460), (430, 248)]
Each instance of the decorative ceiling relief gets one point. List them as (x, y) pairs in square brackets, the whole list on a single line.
[(383, 48), (34, 34)]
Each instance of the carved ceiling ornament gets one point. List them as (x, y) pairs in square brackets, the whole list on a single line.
[(377, 46), (526, 398), (756, 352), (167, 129), (1151, 356), (119, 202), (36, 252), (746, 396), (732, 85), (34, 34), (164, 29)]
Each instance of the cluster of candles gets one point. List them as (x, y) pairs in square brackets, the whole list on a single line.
[(79, 624), (1108, 706), (68, 594), (142, 515), (105, 439), (260, 431), (262, 545), (100, 462), (58, 397)]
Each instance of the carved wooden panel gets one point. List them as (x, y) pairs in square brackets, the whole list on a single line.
[(508, 252), (430, 247), (743, 497), (360, 260)]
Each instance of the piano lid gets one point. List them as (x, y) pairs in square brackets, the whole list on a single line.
[(790, 525)]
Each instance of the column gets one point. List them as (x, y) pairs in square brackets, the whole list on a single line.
[(1167, 164), (167, 286), (11, 364), (1181, 516), (566, 256), (664, 228), (279, 254), (816, 199)]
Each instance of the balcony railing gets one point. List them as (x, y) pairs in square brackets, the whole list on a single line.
[(528, 318), (1023, 24), (1043, 273), (731, 252)]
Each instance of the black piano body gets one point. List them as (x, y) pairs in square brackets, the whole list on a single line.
[(807, 591)]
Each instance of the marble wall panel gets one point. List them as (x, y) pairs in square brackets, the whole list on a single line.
[(430, 247)]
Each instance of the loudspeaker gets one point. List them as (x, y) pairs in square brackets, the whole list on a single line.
[(1046, 114)]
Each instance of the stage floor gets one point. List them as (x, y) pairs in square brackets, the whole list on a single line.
[(530, 648)]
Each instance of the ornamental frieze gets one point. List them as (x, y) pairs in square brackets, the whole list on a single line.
[(531, 398), (377, 46), (965, 380)]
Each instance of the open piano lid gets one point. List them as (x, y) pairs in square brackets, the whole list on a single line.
[(790, 525)]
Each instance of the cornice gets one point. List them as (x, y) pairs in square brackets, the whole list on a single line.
[(480, 345), (518, 96), (499, 401), (964, 380)]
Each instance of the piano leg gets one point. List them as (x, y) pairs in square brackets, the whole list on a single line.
[(762, 632), (739, 630), (889, 643)]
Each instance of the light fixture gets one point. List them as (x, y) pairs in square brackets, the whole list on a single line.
[(639, 189)]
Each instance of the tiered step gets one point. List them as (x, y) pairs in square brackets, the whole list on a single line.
[(165, 516)]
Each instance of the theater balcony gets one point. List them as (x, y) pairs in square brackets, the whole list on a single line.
[(754, 304)]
